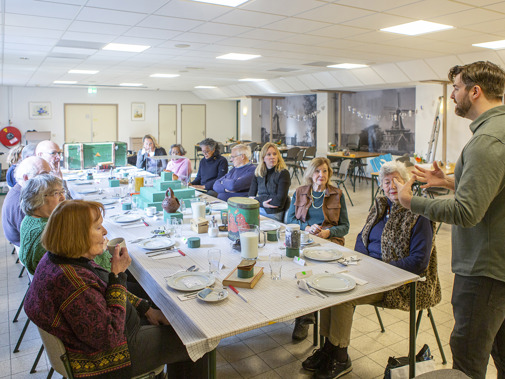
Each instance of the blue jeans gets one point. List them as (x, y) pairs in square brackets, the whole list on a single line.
[(479, 312), (274, 216)]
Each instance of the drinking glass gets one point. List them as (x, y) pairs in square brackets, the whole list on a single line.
[(275, 266), (214, 256), (177, 227)]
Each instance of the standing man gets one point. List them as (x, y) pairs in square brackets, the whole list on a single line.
[(477, 213), (12, 215), (52, 154)]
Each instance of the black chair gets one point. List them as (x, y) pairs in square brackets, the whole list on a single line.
[(296, 165), (291, 155), (353, 142), (343, 172)]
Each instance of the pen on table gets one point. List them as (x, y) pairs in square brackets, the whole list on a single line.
[(236, 291), (145, 223), (181, 252)]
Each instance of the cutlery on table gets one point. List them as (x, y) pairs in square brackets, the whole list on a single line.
[(144, 221)]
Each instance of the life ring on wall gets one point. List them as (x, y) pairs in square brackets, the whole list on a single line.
[(10, 136)]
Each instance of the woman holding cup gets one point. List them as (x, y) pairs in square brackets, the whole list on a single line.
[(319, 208)]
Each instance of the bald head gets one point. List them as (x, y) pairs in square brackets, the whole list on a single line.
[(50, 152), (29, 168)]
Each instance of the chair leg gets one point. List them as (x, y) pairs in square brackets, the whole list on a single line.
[(17, 261), (316, 328), (380, 319), (439, 226), (13, 250), (36, 362), (50, 374), (349, 196), (435, 331), (19, 309), (21, 273), (21, 336), (418, 322)]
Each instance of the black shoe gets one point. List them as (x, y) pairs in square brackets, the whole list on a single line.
[(301, 330), (316, 360), (334, 369)]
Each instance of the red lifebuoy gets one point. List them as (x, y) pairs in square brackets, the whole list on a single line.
[(10, 136)]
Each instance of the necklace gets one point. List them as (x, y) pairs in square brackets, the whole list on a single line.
[(316, 198), (312, 194)]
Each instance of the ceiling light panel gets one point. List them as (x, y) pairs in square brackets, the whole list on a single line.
[(496, 45), (251, 80), (126, 47), (65, 82), (227, 3), (238, 57), (131, 84), (416, 28), (164, 75), (205, 87), (347, 66)]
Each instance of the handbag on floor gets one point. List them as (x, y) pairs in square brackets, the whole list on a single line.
[(398, 368)]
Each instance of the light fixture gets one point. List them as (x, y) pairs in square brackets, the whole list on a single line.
[(251, 80), (227, 3), (205, 87), (417, 27), (245, 110), (497, 45), (125, 47), (347, 66), (238, 57), (164, 75), (92, 90), (131, 84), (65, 82), (84, 72)]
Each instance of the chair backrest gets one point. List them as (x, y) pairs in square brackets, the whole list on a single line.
[(344, 168), (221, 147), (310, 153), (299, 156), (353, 142), (377, 162), (286, 208), (292, 152), (55, 350)]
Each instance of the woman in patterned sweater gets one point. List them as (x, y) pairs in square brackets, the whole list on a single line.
[(396, 236), (105, 329)]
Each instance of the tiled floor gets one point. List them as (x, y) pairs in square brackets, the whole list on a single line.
[(268, 352)]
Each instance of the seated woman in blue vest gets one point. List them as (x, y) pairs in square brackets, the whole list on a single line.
[(396, 236), (271, 182), (238, 180)]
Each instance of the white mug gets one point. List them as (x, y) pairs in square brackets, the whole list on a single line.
[(151, 211)]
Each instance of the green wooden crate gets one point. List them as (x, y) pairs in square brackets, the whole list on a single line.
[(79, 156), (163, 185)]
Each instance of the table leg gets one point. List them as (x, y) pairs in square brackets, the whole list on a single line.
[(373, 185), (212, 364), (412, 331)]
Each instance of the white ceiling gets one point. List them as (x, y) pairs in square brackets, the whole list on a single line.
[(42, 39)]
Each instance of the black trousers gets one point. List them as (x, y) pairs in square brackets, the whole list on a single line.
[(479, 312)]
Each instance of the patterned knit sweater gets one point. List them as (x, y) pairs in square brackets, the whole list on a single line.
[(30, 250), (68, 299), (395, 243)]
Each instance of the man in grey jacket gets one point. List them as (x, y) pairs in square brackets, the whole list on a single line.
[(477, 212)]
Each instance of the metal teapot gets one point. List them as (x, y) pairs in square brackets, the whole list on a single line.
[(170, 202)]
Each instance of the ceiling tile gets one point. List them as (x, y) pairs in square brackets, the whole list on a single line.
[(220, 29), (327, 80), (282, 84), (42, 9), (36, 21), (310, 81), (421, 10), (192, 10), (97, 27), (91, 37), (417, 70), (377, 21), (280, 8), (170, 23), (441, 65), (151, 33), (296, 25), (32, 32), (339, 31), (390, 73), (334, 13), (346, 78), (110, 16), (128, 5), (247, 18), (376, 6), (467, 17), (368, 76)]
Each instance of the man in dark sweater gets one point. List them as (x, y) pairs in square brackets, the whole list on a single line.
[(12, 215), (212, 166)]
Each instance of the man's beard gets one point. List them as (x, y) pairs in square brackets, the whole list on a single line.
[(462, 107)]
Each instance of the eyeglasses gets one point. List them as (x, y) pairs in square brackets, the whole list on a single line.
[(56, 153), (57, 194), (206, 151), (235, 156)]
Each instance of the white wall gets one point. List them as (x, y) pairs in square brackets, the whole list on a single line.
[(458, 132), (221, 114)]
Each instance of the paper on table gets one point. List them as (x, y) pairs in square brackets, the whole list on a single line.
[(359, 281), (167, 255)]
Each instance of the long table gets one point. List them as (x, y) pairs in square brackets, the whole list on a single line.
[(202, 325)]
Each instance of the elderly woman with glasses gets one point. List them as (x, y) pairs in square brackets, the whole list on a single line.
[(238, 180), (319, 208), (180, 167), (39, 197), (107, 331), (145, 156), (397, 236), (212, 166)]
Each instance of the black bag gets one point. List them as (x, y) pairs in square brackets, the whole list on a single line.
[(395, 363)]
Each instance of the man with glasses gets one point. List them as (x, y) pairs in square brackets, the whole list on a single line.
[(212, 166), (52, 154), (12, 215), (238, 181)]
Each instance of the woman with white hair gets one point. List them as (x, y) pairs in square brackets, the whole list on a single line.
[(180, 167), (397, 236), (237, 181)]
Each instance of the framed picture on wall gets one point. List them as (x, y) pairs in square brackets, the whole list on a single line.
[(40, 110), (138, 111)]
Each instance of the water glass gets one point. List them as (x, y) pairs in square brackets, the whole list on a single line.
[(214, 256), (275, 266), (177, 227)]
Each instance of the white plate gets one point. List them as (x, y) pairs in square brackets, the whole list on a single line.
[(87, 191), (190, 281), (127, 218), (213, 297), (219, 206), (323, 255), (266, 226), (156, 243), (331, 282), (85, 183), (309, 242), (107, 201)]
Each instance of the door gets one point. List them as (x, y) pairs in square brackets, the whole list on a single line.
[(90, 122), (193, 126), (167, 125)]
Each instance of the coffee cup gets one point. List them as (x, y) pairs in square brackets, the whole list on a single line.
[(111, 245), (304, 237), (151, 211)]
